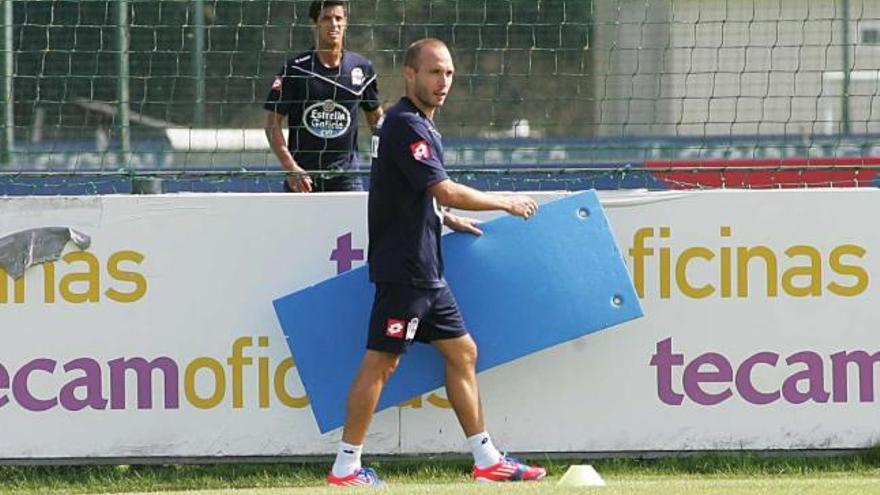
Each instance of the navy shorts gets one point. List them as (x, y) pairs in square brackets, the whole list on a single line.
[(403, 314)]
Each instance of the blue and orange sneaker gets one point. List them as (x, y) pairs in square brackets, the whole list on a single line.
[(365, 477), (509, 469)]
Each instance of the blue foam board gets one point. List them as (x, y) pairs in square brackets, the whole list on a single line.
[(522, 287)]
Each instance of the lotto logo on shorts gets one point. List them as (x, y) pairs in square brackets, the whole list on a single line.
[(395, 328), (421, 150)]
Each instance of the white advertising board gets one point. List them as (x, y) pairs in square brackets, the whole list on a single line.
[(160, 339)]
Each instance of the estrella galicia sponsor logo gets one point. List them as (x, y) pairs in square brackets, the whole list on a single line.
[(327, 119)]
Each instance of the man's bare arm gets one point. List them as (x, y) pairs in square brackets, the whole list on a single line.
[(454, 195), (374, 117), (299, 180)]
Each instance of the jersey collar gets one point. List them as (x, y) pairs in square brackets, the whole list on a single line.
[(413, 106), (316, 62)]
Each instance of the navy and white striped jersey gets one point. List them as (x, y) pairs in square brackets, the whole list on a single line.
[(321, 105)]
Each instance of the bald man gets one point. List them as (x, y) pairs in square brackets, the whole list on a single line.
[(409, 185)]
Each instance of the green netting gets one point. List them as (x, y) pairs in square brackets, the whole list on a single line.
[(548, 94)]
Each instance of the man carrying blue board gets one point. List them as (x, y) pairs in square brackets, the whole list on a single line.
[(412, 302)]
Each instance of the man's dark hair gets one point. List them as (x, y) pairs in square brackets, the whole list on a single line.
[(414, 51), (319, 5)]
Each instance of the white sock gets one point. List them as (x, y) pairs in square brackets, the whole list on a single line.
[(485, 453), (348, 459)]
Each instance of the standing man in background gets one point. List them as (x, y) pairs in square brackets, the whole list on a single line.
[(408, 184), (319, 92)]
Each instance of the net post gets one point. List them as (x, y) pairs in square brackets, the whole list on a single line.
[(198, 62), (847, 67), (123, 95), (6, 88)]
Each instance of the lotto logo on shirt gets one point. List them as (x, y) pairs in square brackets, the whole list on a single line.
[(420, 150), (394, 328)]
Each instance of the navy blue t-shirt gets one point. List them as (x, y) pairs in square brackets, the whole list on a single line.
[(405, 222), (321, 105)]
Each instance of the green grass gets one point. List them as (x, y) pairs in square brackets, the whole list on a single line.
[(857, 473)]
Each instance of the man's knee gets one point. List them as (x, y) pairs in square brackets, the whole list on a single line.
[(461, 352), (382, 364), (469, 351)]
